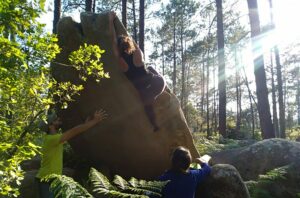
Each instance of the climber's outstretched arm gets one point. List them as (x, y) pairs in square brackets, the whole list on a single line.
[(69, 134)]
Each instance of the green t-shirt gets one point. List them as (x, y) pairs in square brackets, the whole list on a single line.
[(52, 156)]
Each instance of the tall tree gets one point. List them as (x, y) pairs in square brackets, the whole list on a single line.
[(134, 21), (280, 94), (263, 105), (57, 13), (274, 101), (89, 5), (221, 72), (298, 95), (279, 80), (142, 25), (238, 92), (124, 13)]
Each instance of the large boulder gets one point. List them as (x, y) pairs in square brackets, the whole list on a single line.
[(224, 181), (260, 157), (125, 142), (280, 182)]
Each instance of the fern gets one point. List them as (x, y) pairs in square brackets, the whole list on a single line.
[(258, 189), (155, 186), (146, 189), (120, 182), (277, 173), (99, 180), (65, 187), (102, 187)]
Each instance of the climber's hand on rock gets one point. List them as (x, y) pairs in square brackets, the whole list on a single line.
[(100, 115), (199, 161), (112, 15)]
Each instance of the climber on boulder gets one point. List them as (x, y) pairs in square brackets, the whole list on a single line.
[(148, 82)]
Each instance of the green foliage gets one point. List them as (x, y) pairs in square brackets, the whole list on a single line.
[(275, 174), (103, 188), (215, 143), (122, 188), (257, 188), (87, 60), (27, 89), (153, 186), (10, 172), (25, 51), (293, 133), (65, 187)]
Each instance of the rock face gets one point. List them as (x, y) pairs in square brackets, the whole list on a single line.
[(260, 157), (224, 181), (286, 185), (125, 142)]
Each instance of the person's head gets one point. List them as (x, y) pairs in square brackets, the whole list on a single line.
[(125, 45), (52, 123), (181, 159)]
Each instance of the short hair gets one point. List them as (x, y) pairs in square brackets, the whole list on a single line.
[(125, 44), (181, 159)]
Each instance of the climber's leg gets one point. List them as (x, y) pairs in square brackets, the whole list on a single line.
[(151, 116)]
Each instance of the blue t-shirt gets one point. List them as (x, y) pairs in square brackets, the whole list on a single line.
[(183, 185)]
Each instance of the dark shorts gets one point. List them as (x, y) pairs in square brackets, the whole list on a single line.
[(44, 189), (150, 86), (152, 90)]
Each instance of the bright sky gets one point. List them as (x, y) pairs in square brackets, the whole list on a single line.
[(286, 16)]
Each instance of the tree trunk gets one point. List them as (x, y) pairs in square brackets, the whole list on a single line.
[(142, 25), (251, 100), (174, 57), (163, 59), (88, 5), (134, 21), (94, 6), (238, 93), (207, 96), (57, 13), (275, 119), (298, 94), (263, 105), (182, 71), (202, 93), (279, 80), (214, 127), (124, 13), (221, 72), (280, 95)]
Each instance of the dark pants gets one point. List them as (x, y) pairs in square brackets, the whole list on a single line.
[(44, 189), (149, 93)]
